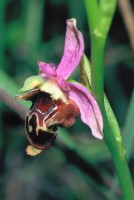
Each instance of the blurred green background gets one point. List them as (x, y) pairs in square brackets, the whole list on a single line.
[(77, 166)]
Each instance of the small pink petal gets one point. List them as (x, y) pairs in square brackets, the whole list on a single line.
[(73, 50), (90, 112), (47, 70), (63, 84)]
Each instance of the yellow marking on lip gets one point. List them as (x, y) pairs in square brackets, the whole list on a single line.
[(43, 128), (30, 128)]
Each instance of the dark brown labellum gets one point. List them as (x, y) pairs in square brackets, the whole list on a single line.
[(44, 117), (38, 134)]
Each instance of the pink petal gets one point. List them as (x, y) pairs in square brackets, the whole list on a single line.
[(47, 70), (90, 112), (73, 50), (63, 84)]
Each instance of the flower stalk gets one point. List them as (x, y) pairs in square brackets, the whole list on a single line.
[(100, 15)]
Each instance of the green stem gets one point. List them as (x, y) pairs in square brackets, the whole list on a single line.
[(113, 139), (116, 147), (97, 75), (104, 11), (92, 12)]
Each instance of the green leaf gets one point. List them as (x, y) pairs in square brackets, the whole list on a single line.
[(85, 72), (86, 80), (128, 136)]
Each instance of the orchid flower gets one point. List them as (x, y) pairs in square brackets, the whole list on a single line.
[(57, 102)]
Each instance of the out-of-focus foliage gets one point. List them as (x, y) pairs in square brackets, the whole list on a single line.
[(77, 167)]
